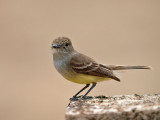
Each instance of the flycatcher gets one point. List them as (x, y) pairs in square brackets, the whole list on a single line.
[(79, 68)]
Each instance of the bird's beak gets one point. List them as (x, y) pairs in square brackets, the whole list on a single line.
[(56, 46)]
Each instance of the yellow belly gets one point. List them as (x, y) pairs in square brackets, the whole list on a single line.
[(85, 79)]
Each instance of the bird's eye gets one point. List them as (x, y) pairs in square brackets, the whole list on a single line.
[(66, 44)]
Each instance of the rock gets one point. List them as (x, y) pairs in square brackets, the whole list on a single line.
[(120, 107)]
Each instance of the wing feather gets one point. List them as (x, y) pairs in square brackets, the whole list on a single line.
[(85, 65)]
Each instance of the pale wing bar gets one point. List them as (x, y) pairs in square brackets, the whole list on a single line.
[(88, 66)]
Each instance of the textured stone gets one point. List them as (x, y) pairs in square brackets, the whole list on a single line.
[(120, 107)]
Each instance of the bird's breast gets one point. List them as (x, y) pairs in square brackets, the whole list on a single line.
[(63, 67)]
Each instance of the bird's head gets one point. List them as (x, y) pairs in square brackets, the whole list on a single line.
[(61, 45)]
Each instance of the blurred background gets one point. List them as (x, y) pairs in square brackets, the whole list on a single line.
[(112, 32)]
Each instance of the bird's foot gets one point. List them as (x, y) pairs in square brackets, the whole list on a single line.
[(75, 98), (86, 97)]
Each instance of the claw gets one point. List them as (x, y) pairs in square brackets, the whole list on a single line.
[(86, 97), (75, 98)]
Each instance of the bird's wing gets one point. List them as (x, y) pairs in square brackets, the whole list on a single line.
[(85, 65)]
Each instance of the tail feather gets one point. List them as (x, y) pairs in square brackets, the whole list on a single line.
[(123, 67)]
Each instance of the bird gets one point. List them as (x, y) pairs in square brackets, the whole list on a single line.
[(79, 68)]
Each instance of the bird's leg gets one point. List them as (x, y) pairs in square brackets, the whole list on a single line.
[(93, 85), (74, 97), (87, 85)]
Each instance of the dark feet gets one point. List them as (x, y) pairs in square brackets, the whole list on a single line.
[(86, 97), (80, 98), (75, 98)]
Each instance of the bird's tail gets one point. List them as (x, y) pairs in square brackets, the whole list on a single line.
[(123, 67)]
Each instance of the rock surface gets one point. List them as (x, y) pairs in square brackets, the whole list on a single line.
[(120, 107)]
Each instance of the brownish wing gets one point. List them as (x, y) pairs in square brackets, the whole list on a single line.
[(85, 65)]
